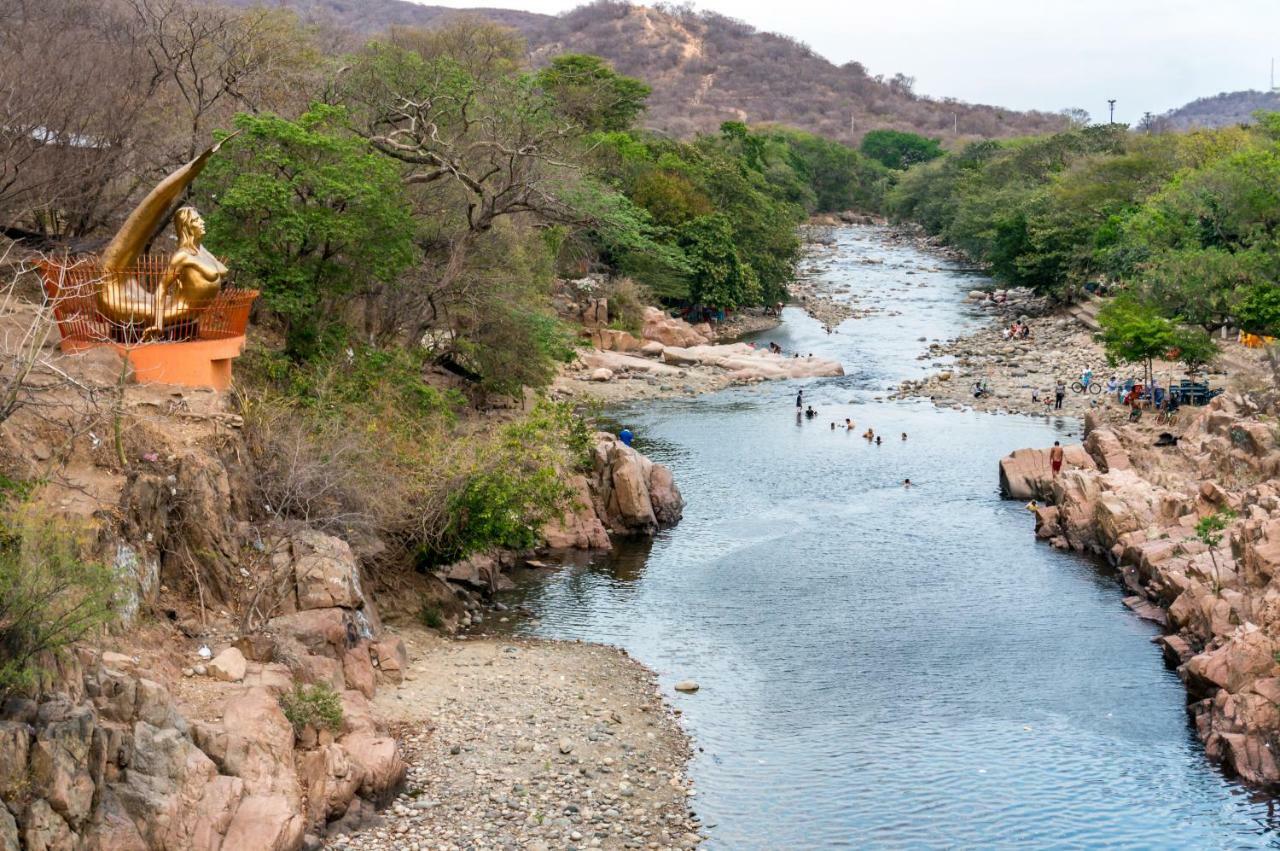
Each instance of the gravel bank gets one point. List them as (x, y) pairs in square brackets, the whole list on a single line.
[(532, 745)]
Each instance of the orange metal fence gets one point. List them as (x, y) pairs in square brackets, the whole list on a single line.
[(72, 286)]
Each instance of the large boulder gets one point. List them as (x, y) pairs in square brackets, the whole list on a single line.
[(669, 331), (324, 632), (330, 780), (376, 758), (229, 666), (392, 658), (580, 527), (1026, 473), (1105, 449), (44, 830), (61, 767), (1246, 657), (325, 572), (15, 747)]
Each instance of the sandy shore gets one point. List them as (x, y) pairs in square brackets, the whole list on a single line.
[(515, 743)]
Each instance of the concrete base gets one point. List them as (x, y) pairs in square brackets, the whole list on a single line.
[(195, 363)]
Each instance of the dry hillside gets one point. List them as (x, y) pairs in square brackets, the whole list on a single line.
[(1220, 110), (707, 68)]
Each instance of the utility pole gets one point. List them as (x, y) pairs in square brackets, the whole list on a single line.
[(955, 123), (1111, 102)]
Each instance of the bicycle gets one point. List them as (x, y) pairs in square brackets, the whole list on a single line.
[(1093, 389)]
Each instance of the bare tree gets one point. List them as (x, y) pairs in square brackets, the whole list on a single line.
[(215, 60), (492, 149)]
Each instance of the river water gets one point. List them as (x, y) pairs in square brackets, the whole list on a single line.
[(883, 666)]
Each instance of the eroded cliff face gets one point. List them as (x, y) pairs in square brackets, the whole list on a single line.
[(1121, 496), (128, 752), (152, 744)]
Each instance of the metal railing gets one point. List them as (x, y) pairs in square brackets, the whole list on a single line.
[(72, 286)]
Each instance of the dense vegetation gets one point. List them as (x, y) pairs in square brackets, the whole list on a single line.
[(1186, 224), (407, 207)]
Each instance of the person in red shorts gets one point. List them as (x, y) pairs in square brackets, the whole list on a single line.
[(1055, 458)]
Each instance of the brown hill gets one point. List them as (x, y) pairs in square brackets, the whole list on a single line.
[(1220, 110), (706, 68)]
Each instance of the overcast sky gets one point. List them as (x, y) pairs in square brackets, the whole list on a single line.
[(1028, 54)]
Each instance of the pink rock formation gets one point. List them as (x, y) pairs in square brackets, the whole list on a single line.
[(1139, 504)]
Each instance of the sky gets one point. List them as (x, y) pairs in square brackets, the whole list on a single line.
[(1150, 55)]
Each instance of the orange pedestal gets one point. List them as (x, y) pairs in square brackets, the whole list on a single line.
[(197, 363)]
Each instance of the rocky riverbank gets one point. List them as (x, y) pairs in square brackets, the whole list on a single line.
[(672, 358), (1151, 505), (235, 705), (531, 744)]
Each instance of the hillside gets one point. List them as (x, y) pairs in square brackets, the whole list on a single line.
[(1220, 110), (707, 68)]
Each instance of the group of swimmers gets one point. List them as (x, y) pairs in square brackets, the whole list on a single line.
[(809, 413)]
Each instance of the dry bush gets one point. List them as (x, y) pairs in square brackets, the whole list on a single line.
[(627, 301)]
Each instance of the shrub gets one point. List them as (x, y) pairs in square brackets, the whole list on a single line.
[(316, 705), (627, 301), (430, 616), (50, 595)]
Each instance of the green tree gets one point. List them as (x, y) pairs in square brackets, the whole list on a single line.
[(309, 214), (720, 277), (50, 595), (1135, 332), (1209, 532), (1259, 312), (898, 149), (588, 91)]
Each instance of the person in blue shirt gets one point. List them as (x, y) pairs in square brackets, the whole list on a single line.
[(626, 436)]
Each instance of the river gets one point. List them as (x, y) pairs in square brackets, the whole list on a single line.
[(884, 666)]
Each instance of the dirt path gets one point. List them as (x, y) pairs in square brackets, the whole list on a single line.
[(532, 745)]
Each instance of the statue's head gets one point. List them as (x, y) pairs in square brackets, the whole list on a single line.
[(188, 225)]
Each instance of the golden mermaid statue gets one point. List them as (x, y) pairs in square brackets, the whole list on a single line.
[(193, 277)]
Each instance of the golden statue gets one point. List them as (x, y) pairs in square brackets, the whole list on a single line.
[(193, 276)]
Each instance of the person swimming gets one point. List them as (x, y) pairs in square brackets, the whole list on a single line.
[(904, 435), (810, 413), (848, 424), (877, 440), (906, 483)]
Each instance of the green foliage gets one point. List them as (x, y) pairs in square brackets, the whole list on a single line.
[(720, 277), (511, 493), (1134, 332), (1259, 310), (1137, 332), (839, 177), (430, 616), (316, 705), (359, 376), (310, 215), (50, 595), (897, 149), (591, 93)]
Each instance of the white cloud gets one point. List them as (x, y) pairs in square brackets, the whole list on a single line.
[(1148, 54)]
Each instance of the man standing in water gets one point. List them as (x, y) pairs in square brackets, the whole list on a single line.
[(799, 400), (1055, 458)]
